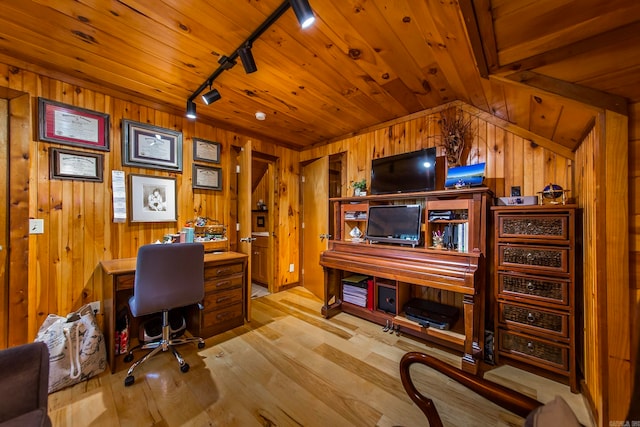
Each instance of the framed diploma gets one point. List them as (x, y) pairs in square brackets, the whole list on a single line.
[(153, 198), (206, 151), (77, 165), (66, 124), (207, 178), (151, 147)]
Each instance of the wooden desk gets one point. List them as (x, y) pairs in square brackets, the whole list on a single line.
[(226, 301)]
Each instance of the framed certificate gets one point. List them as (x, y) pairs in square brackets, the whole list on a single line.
[(206, 151), (66, 124), (151, 147), (207, 178), (77, 165)]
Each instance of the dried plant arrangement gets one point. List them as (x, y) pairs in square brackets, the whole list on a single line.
[(455, 131)]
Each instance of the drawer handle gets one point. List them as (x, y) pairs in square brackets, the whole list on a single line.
[(531, 287), (531, 318), (530, 346), (223, 299), (529, 256), (529, 225), (225, 283), (223, 271)]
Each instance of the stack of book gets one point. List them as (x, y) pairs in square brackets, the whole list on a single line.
[(358, 290)]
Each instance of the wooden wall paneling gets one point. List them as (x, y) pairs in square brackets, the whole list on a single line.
[(593, 350), (19, 158), (617, 217), (4, 218)]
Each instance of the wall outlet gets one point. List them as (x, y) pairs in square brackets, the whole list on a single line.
[(95, 306), (292, 268)]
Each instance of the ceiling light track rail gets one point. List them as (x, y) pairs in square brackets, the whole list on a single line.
[(305, 17)]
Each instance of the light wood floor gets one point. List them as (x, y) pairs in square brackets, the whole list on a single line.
[(291, 367)]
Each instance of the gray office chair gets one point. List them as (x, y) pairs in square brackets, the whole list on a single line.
[(167, 276)]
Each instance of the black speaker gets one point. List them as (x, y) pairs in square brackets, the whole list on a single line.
[(387, 299)]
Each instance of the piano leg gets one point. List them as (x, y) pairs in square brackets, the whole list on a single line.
[(472, 349), (332, 300)]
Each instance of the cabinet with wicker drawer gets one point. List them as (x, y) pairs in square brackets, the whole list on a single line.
[(223, 305), (534, 289)]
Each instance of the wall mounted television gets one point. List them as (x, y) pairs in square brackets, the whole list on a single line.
[(410, 172), (398, 224)]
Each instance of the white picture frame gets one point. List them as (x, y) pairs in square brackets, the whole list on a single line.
[(152, 198)]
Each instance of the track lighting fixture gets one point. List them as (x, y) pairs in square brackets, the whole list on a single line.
[(305, 17), (191, 110), (248, 62), (210, 97), (303, 12)]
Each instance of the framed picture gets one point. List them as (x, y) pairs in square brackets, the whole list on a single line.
[(206, 177), (66, 124), (206, 151), (151, 147), (78, 165), (153, 198)]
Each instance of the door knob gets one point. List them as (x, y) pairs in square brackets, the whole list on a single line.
[(247, 239), (325, 236)]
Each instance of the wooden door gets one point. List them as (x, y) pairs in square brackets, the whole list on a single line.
[(244, 216), (315, 223)]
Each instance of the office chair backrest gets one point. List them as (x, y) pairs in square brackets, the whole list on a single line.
[(168, 276)]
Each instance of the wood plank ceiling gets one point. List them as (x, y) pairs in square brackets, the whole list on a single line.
[(364, 61)]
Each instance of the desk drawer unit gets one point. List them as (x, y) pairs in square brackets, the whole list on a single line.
[(534, 289), (222, 306)]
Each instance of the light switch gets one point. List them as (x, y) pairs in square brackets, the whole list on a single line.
[(36, 226)]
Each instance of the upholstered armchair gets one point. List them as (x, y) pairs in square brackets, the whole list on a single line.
[(24, 385)]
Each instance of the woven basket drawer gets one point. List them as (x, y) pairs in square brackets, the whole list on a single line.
[(543, 289), (548, 322), (533, 349), (540, 258), (549, 227)]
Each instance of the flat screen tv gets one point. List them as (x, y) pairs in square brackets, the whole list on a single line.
[(398, 224), (404, 173)]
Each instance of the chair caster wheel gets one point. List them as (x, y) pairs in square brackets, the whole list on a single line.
[(128, 358), (184, 368), (200, 345), (129, 380)]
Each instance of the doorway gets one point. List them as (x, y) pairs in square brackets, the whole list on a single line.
[(263, 223)]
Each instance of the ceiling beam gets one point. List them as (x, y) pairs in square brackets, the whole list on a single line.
[(582, 94), (480, 33), (599, 41)]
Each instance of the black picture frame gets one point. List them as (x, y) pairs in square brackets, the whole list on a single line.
[(70, 125), (207, 177), (206, 151), (151, 147), (75, 165)]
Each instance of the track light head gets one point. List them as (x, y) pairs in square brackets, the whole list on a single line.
[(191, 110), (303, 12), (210, 97), (248, 62)]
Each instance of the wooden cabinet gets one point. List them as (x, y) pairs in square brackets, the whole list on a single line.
[(260, 260), (451, 276), (535, 288)]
